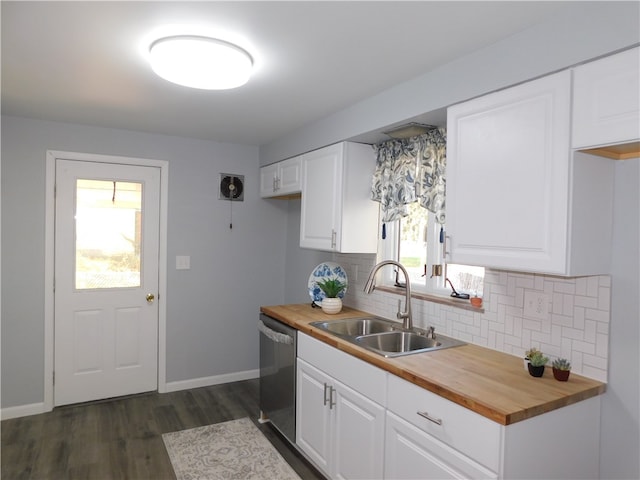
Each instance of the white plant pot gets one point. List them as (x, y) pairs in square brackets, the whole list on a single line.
[(331, 305)]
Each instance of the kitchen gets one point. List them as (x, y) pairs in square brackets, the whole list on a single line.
[(212, 356)]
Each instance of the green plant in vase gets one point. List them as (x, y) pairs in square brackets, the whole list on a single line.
[(332, 287)]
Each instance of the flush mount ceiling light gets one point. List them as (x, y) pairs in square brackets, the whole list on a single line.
[(200, 62)]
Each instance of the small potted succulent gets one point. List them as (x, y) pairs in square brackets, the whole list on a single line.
[(527, 355), (561, 369), (331, 287), (537, 361)]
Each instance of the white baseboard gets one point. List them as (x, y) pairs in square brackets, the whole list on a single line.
[(37, 408), (22, 411), (208, 381)]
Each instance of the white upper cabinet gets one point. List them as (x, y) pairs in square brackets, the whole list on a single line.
[(516, 197), (337, 213), (282, 178), (606, 101)]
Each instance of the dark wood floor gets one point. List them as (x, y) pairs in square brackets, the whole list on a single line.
[(122, 438)]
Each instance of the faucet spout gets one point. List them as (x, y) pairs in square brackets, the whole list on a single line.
[(370, 285)]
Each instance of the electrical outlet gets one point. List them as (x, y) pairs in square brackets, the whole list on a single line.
[(536, 305)]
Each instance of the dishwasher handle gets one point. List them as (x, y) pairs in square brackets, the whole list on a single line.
[(273, 335)]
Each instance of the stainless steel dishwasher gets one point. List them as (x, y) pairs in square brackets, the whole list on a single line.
[(278, 375)]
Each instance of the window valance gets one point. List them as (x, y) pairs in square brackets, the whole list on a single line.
[(410, 170)]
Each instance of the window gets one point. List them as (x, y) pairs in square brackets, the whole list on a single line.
[(417, 242), (108, 234)]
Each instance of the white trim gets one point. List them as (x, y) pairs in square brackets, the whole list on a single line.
[(214, 380), (22, 411), (49, 267), (38, 408)]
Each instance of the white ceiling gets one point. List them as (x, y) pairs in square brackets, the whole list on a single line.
[(84, 62)]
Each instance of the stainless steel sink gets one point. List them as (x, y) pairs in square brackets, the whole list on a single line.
[(397, 342), (385, 337), (354, 327)]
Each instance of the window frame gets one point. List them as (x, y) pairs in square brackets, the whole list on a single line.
[(388, 249)]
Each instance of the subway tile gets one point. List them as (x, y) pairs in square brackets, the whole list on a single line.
[(577, 326)]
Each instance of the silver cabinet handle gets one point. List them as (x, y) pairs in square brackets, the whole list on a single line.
[(445, 252), (329, 400), (333, 239), (437, 421)]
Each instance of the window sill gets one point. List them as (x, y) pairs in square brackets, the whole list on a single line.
[(451, 302)]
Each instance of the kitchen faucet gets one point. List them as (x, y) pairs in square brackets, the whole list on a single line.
[(406, 317)]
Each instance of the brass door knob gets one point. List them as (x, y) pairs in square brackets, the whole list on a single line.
[(150, 297)]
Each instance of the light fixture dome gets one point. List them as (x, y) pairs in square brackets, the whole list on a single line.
[(200, 62)]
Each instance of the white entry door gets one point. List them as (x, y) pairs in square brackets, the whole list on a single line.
[(106, 280)]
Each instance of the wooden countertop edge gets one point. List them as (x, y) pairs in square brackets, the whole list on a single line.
[(395, 367)]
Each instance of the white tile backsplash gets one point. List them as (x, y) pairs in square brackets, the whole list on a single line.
[(576, 326)]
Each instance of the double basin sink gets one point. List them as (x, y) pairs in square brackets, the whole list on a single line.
[(386, 337)]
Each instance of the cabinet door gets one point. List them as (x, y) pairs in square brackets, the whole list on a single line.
[(313, 432), (282, 178), (606, 105), (290, 176), (358, 448), (508, 177), (321, 198), (268, 176), (413, 454)]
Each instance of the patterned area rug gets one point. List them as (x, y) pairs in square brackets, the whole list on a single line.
[(229, 450)]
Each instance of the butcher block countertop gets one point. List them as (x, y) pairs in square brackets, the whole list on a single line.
[(488, 382)]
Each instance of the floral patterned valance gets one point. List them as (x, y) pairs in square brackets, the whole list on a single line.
[(410, 170)]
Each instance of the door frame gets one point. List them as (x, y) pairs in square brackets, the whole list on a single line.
[(49, 266)]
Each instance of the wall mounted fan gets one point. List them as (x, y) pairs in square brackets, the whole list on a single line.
[(231, 187)]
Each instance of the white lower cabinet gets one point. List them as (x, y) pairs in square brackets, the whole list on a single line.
[(354, 420), (340, 430), (411, 453), (430, 437)]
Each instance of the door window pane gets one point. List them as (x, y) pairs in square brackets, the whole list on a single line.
[(108, 234)]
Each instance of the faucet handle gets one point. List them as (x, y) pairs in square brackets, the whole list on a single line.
[(431, 332)]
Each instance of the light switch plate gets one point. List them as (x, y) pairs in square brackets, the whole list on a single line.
[(183, 262)]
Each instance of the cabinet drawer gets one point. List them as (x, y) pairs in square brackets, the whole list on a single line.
[(366, 379), (473, 435), (410, 453)]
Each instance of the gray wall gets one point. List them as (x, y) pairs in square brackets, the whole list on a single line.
[(582, 31), (621, 403), (209, 307), (300, 262)]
